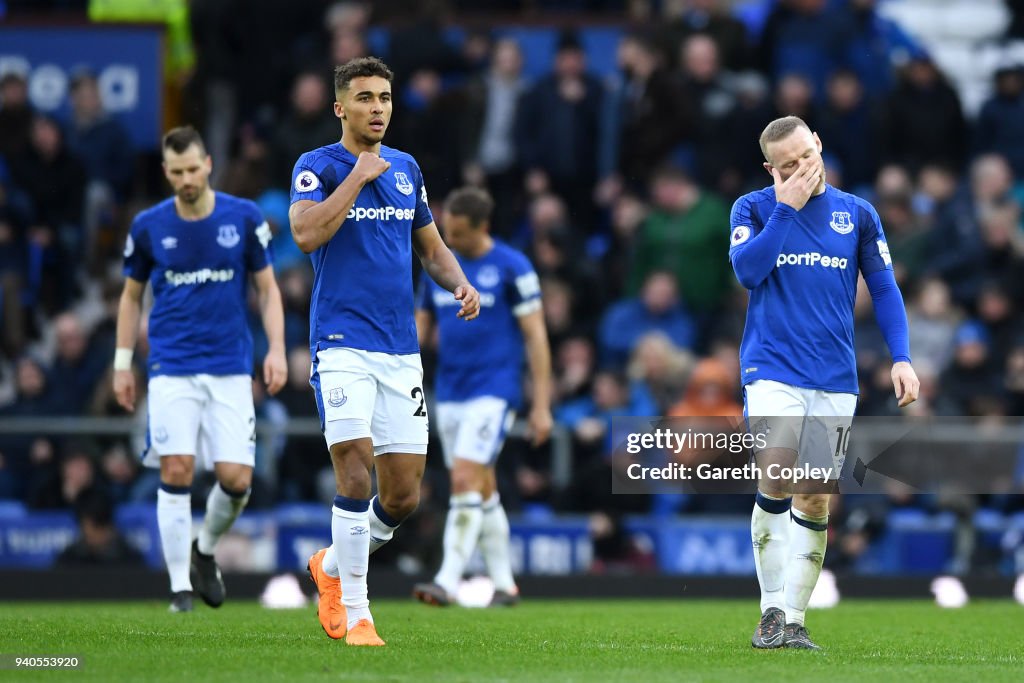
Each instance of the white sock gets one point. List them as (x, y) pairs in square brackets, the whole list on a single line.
[(222, 509), (174, 517), (330, 563), (494, 544), (461, 533), (350, 529), (382, 525), (808, 537), (769, 534)]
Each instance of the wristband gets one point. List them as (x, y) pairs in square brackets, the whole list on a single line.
[(123, 359)]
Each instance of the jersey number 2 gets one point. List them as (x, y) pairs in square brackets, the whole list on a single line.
[(421, 411)]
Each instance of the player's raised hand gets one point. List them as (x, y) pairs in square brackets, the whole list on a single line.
[(370, 166), (275, 371), (797, 188), (470, 299), (905, 382), (124, 389), (540, 423)]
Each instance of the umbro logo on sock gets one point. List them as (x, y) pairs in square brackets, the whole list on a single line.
[(358, 531)]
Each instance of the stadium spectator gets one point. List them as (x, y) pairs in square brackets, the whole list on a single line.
[(657, 307), (99, 543), (429, 129), (15, 115), (649, 115), (1000, 124), (845, 121), (933, 323), (685, 233), (105, 149), (56, 482), (557, 123), (805, 37), (875, 44), (710, 392), (79, 365), (487, 139), (661, 367), (923, 122), (708, 90), (308, 124), (972, 379), (711, 18)]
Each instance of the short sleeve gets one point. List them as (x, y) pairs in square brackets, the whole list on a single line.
[(743, 224), (874, 250), (524, 290), (257, 246), (306, 181), (424, 295), (422, 217), (138, 256)]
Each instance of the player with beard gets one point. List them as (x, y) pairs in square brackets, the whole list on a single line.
[(197, 250)]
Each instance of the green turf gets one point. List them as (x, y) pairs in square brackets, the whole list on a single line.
[(585, 641)]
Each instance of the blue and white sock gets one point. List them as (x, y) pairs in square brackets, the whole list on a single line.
[(174, 517), (461, 533), (769, 535), (494, 544), (808, 537), (350, 530), (382, 525), (222, 509)]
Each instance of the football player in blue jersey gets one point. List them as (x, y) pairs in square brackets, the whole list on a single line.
[(359, 209), (477, 395), (197, 250), (798, 247)]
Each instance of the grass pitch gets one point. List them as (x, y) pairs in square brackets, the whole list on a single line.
[(557, 641)]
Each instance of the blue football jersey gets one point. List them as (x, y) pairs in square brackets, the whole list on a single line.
[(483, 357), (362, 282), (799, 327), (199, 270)]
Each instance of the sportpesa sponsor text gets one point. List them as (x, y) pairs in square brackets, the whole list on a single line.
[(812, 258), (382, 213), (198, 277)]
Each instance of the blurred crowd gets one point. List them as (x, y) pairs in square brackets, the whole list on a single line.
[(618, 185)]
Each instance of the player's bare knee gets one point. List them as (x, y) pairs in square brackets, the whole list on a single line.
[(237, 484), (812, 504), (176, 470), (467, 477), (400, 504)]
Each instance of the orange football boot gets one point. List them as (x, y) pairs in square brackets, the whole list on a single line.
[(330, 611), (364, 633)]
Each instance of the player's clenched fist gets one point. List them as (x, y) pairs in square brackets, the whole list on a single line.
[(370, 166), (470, 299), (797, 188), (124, 389)]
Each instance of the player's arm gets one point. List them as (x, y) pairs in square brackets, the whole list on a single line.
[(754, 257), (275, 367), (440, 264), (314, 223), (129, 312), (890, 312), (538, 354)]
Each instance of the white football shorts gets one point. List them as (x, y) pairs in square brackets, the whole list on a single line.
[(208, 416), (813, 422), (475, 429), (367, 394)]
